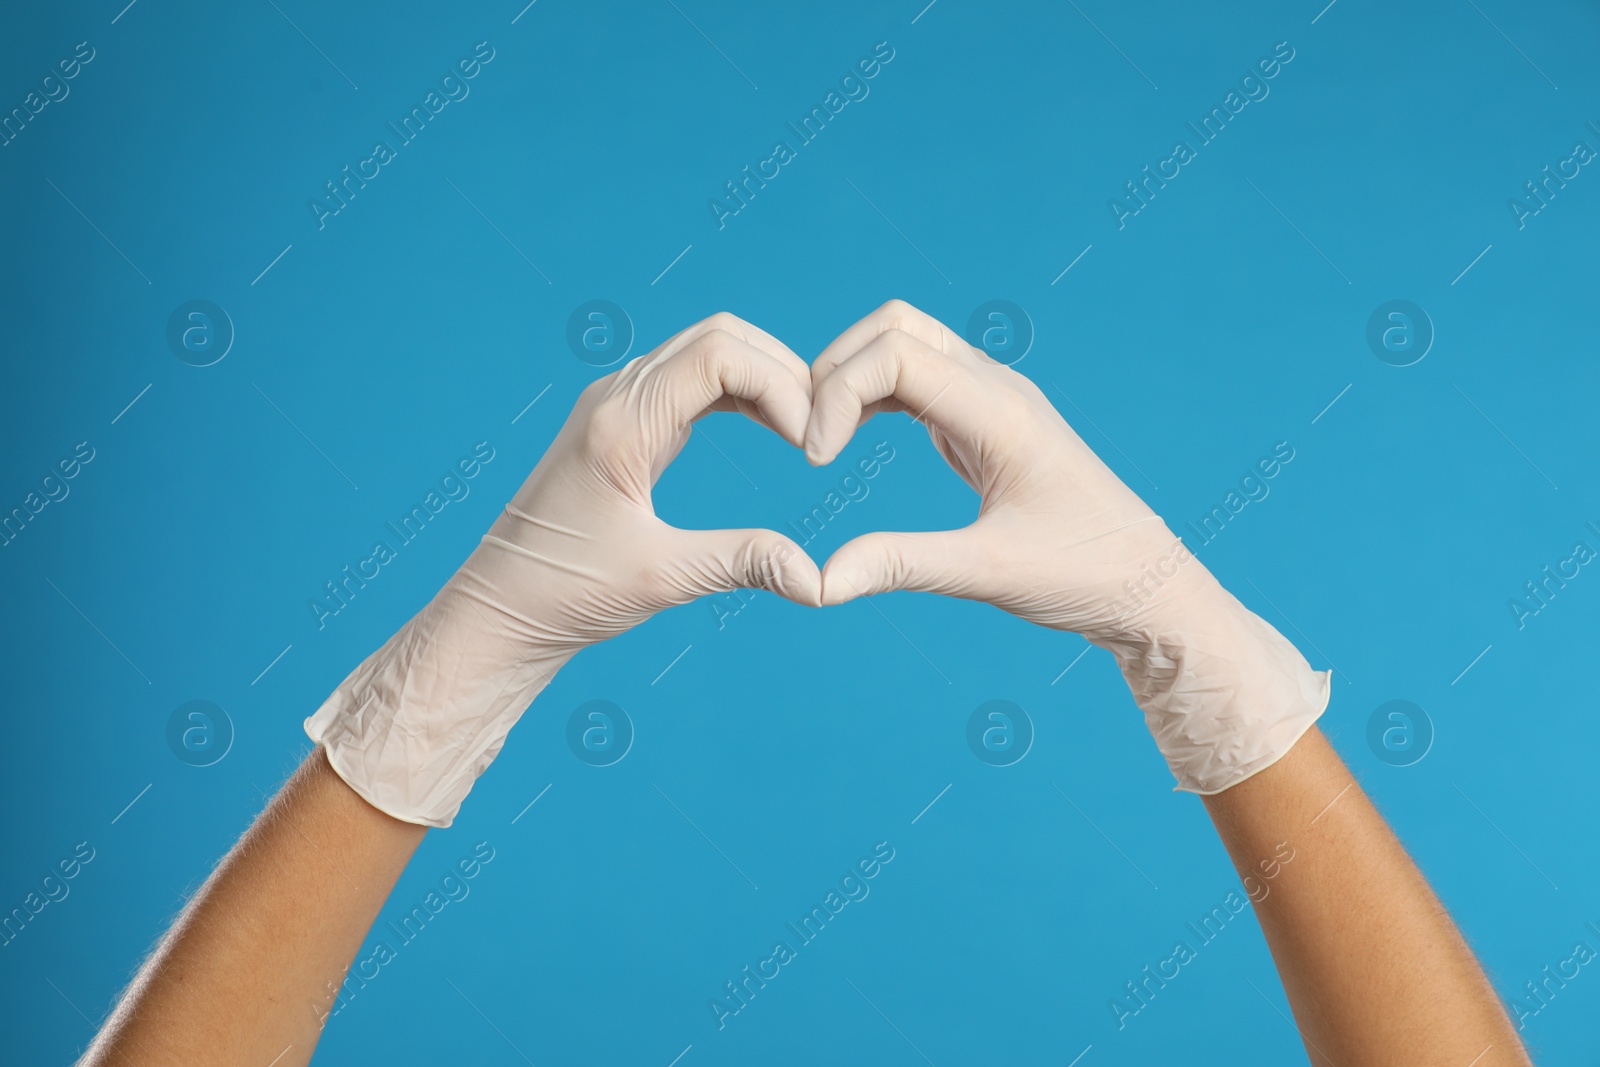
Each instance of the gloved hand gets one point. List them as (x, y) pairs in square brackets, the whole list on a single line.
[(576, 557), (1061, 541)]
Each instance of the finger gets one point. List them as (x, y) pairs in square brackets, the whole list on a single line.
[(893, 315), (945, 392), (948, 562), (742, 407), (750, 334), (718, 561), (718, 366)]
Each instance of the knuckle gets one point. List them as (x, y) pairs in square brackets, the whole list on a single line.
[(839, 390), (899, 315), (895, 568), (608, 421), (725, 321), (895, 309), (1012, 407), (713, 353), (1026, 387), (594, 399), (714, 345), (896, 342)]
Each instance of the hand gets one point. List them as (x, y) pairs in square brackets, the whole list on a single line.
[(579, 555), (576, 557), (1061, 541)]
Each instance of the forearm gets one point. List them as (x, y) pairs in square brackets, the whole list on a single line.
[(1375, 971), (244, 974), (1374, 968), (251, 968)]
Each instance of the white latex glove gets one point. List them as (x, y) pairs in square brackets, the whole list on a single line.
[(1061, 541), (576, 557)]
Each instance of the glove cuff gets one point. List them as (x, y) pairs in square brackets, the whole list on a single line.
[(414, 725), (1224, 694)]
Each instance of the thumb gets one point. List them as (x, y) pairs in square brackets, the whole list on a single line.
[(946, 562), (717, 561)]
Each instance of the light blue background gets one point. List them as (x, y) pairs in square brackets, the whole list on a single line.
[(1208, 329)]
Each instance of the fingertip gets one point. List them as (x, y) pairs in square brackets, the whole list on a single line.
[(792, 428), (816, 453), (840, 585), (820, 448), (797, 577)]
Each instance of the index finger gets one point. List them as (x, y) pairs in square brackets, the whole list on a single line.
[(668, 392), (942, 390), (893, 315), (749, 333)]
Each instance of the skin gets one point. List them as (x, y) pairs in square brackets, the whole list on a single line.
[(243, 975), (1375, 970)]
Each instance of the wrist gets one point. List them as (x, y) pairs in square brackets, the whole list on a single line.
[(1166, 587), (413, 726), (1223, 693)]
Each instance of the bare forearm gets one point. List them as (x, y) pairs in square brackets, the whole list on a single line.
[(244, 973), (1375, 969), (250, 969)]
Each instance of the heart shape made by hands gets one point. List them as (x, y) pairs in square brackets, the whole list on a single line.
[(579, 556)]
